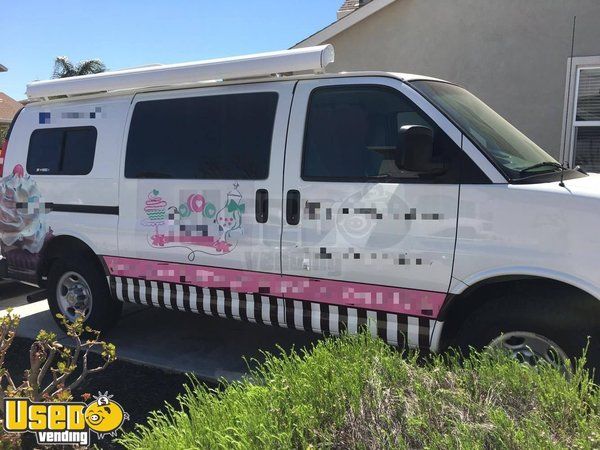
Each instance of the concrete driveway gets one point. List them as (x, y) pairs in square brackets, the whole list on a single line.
[(212, 348)]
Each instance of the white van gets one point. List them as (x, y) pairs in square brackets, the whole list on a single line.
[(281, 195)]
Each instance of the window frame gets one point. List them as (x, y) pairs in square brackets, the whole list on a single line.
[(575, 66), (202, 95), (373, 179), (64, 131)]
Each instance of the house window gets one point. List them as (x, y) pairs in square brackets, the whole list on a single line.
[(587, 119), (582, 142)]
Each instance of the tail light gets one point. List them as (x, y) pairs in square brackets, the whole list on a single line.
[(5, 143), (2, 155)]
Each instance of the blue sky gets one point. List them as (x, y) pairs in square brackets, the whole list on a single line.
[(126, 33)]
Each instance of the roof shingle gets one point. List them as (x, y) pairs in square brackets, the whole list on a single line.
[(349, 6), (8, 108)]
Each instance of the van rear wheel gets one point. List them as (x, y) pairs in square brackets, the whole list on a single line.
[(533, 328), (76, 286)]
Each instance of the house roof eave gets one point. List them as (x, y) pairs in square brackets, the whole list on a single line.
[(344, 23)]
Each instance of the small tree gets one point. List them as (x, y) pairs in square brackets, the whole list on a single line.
[(52, 366), (63, 68)]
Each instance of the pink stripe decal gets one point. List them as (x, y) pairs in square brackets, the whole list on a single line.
[(359, 295)]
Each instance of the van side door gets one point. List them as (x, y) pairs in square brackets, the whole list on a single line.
[(360, 229), (200, 192)]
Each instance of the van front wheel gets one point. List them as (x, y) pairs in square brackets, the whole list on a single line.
[(533, 328), (76, 286)]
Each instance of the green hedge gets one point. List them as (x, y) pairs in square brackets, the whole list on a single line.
[(356, 392)]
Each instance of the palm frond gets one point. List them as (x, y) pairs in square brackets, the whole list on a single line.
[(90, 66), (63, 68)]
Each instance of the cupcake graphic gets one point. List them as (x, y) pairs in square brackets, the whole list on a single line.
[(155, 209), (23, 229)]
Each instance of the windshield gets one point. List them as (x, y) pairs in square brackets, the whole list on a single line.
[(513, 152)]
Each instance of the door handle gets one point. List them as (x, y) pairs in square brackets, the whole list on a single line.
[(261, 205), (292, 207)]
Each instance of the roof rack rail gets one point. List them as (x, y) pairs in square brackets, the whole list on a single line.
[(308, 59)]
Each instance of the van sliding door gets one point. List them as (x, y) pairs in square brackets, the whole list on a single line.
[(201, 183)]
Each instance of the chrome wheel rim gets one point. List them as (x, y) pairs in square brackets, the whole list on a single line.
[(74, 296), (532, 349)]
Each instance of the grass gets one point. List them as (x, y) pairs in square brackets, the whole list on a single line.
[(356, 392)]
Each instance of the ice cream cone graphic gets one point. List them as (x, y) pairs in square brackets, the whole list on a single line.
[(23, 228)]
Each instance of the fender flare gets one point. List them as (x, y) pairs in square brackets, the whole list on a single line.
[(520, 272)]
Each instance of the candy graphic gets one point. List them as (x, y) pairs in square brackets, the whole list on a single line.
[(185, 227), (184, 210), (196, 202), (209, 210)]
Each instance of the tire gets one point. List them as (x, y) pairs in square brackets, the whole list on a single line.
[(86, 280), (558, 316)]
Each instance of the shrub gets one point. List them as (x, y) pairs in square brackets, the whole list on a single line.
[(356, 392)]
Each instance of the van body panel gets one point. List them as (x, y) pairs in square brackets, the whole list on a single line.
[(329, 292), (395, 234), (300, 303), (535, 229), (97, 231), (379, 254), (57, 204), (252, 245)]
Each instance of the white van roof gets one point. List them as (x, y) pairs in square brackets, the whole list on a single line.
[(309, 59), (296, 63)]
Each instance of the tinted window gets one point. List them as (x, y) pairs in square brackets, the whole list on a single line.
[(353, 134), (514, 153), (215, 137), (62, 151)]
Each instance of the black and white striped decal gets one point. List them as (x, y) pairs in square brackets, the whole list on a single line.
[(270, 310)]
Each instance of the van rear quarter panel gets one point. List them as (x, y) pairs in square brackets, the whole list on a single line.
[(99, 187)]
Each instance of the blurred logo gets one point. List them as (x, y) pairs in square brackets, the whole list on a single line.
[(372, 217)]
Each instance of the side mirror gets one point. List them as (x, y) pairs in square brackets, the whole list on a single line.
[(414, 151)]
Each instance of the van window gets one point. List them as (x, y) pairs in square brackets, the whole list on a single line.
[(62, 151), (352, 134), (212, 137)]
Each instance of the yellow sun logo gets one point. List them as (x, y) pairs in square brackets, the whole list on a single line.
[(104, 415)]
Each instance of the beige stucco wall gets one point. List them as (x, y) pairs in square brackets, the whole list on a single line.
[(511, 53)]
